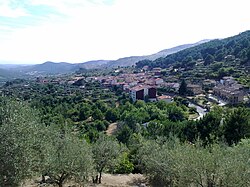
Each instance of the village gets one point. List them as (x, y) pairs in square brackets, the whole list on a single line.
[(153, 85), (145, 85)]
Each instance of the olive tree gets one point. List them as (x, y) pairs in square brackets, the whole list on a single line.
[(19, 130), (29, 148), (67, 158), (106, 151), (172, 163)]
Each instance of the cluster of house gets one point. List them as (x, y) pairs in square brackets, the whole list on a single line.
[(140, 86), (143, 86), (229, 90)]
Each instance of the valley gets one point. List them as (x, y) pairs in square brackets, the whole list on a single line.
[(178, 120)]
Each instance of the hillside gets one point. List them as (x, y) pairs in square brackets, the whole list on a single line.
[(93, 64), (238, 46), (129, 61), (166, 52), (214, 59), (49, 68)]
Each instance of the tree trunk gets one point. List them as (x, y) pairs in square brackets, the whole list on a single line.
[(210, 183), (43, 179), (95, 179), (60, 183), (62, 179), (100, 178)]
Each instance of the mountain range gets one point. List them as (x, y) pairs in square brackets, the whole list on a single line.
[(51, 68), (129, 61)]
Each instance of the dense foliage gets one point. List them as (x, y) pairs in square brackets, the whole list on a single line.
[(171, 163), (19, 128), (59, 137)]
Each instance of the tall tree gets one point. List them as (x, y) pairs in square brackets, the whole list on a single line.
[(183, 88)]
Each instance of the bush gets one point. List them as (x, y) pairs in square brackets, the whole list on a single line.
[(124, 165)]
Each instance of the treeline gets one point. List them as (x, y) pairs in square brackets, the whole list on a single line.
[(215, 50), (29, 148)]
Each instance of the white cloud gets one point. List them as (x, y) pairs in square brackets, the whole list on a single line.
[(132, 27), (63, 6), (7, 11)]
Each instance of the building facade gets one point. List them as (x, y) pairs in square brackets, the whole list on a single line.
[(143, 92)]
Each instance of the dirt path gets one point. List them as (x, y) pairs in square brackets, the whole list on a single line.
[(108, 180), (135, 180)]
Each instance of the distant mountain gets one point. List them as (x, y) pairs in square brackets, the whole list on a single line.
[(166, 52), (10, 66), (93, 64), (122, 62), (49, 68), (52, 68), (129, 61)]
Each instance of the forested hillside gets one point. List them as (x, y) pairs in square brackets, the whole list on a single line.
[(214, 59), (215, 50), (130, 61)]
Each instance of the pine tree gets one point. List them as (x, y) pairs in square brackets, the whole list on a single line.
[(183, 88)]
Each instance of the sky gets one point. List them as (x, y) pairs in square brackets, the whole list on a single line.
[(35, 31)]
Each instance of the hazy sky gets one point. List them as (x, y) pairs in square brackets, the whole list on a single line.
[(35, 31)]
